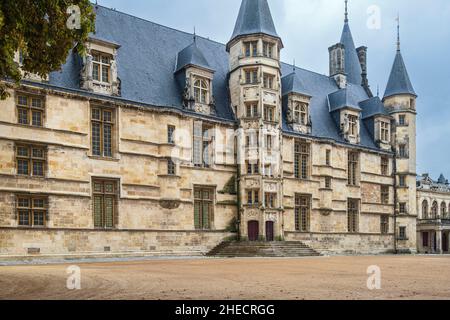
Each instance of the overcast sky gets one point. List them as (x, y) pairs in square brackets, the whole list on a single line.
[(309, 27)]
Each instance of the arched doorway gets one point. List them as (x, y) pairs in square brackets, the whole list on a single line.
[(253, 230), (270, 231)]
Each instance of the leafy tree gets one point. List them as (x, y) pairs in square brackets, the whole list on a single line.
[(44, 31)]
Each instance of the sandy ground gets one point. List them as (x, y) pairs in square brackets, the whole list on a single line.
[(403, 277)]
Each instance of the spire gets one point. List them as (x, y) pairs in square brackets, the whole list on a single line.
[(346, 11), (352, 64), (254, 18), (398, 32), (399, 81)]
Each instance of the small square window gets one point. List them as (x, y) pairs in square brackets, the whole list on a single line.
[(328, 182), (402, 208)]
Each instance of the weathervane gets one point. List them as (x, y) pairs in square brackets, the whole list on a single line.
[(346, 11), (398, 32)]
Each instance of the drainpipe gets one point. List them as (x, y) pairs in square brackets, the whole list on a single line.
[(394, 174), (238, 190)]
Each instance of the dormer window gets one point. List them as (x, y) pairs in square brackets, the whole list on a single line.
[(268, 49), (251, 48), (201, 91), (353, 125), (301, 113), (384, 131), (101, 68)]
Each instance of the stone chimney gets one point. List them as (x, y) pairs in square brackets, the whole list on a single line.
[(362, 56), (337, 64)]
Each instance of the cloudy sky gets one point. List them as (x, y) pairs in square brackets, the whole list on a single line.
[(309, 27)]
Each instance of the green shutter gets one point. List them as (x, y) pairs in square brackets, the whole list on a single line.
[(98, 212), (197, 215), (109, 212)]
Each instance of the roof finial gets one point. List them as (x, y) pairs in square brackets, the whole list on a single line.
[(195, 35), (378, 90), (346, 11), (398, 32), (294, 65)]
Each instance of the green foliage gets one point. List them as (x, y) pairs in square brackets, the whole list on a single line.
[(230, 186), (39, 29)]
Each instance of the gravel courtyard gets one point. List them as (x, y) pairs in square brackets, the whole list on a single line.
[(403, 277)]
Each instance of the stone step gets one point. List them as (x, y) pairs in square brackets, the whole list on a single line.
[(262, 249)]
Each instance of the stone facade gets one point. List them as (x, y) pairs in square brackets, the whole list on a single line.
[(120, 177)]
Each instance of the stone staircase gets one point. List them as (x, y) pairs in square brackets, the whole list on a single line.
[(244, 249)]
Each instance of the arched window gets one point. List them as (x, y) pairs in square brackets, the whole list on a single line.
[(434, 210), (443, 210), (304, 114), (201, 91), (425, 209)]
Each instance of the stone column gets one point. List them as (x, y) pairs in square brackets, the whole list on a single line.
[(439, 242)]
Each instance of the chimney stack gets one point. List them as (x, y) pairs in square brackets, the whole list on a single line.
[(337, 65)]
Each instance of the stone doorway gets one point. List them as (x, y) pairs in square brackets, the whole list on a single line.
[(253, 230)]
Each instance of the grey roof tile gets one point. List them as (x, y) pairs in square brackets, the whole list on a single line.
[(344, 98), (352, 64), (293, 84), (399, 82), (191, 56), (373, 107), (254, 17)]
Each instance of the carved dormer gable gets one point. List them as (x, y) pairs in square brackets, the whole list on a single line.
[(296, 101), (378, 122), (19, 57), (195, 78), (99, 73), (344, 107)]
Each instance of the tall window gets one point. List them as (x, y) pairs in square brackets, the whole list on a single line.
[(30, 110), (434, 210), (269, 142), (268, 81), (31, 211), (268, 49), (251, 110), (328, 158), (402, 151), (327, 182), (251, 48), (203, 138), (253, 197), (425, 209), (252, 168), (270, 200), (385, 132), (402, 120), (101, 68), (201, 91), (353, 159), (302, 213), (31, 160), (102, 132), (171, 167), (301, 160), (384, 166), (402, 180), (105, 203), (353, 215), (301, 113), (353, 125), (251, 76), (170, 134), (402, 208), (203, 207), (443, 210), (384, 224), (384, 194), (402, 233), (269, 113)]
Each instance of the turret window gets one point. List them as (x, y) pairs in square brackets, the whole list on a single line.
[(269, 113), (201, 91), (251, 76), (251, 48), (268, 81), (402, 120), (251, 110), (268, 49)]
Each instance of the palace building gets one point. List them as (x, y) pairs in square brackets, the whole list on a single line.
[(163, 142)]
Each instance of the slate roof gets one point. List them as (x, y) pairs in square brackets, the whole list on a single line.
[(399, 82), (352, 64), (191, 56), (148, 57), (293, 84), (442, 179), (344, 98), (254, 18), (373, 107)]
